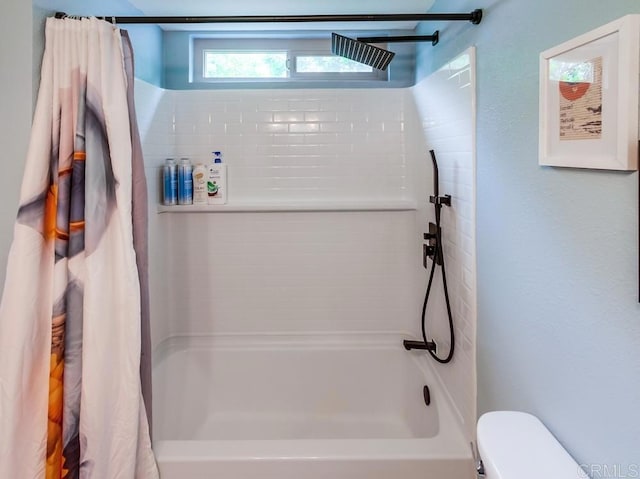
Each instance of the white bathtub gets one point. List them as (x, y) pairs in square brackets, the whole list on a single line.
[(301, 407)]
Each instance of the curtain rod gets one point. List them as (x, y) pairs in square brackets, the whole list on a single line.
[(474, 17)]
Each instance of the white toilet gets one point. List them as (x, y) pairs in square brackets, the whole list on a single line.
[(516, 445)]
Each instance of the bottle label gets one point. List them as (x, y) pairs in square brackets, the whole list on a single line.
[(217, 184), (212, 188), (185, 185), (199, 186), (213, 182), (170, 180)]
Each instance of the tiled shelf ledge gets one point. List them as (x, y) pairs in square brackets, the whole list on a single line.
[(346, 205)]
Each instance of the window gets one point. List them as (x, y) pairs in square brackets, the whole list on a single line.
[(229, 60), (329, 64), (226, 65)]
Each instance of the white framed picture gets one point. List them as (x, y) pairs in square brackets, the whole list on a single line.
[(589, 99)]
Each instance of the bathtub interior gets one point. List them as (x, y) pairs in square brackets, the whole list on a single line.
[(289, 387)]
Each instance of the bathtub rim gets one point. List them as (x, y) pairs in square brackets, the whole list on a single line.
[(445, 446)]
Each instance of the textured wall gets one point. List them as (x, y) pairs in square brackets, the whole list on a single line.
[(146, 39), (559, 320), (15, 112)]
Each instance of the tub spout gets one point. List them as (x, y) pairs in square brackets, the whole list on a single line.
[(428, 346)]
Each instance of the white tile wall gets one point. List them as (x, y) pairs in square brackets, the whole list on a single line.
[(290, 144), (247, 272), (446, 106), (316, 271), (295, 272)]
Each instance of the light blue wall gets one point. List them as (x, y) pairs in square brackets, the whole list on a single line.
[(177, 54), (559, 320), (146, 39), (16, 66), (147, 50)]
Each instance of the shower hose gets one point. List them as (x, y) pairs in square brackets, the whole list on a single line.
[(438, 254)]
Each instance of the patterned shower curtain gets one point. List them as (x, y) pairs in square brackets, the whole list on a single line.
[(74, 318)]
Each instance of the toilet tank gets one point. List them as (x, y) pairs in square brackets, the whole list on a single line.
[(516, 445)]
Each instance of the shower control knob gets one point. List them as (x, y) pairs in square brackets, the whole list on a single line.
[(428, 252), (440, 200)]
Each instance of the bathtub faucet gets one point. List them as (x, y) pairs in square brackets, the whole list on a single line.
[(428, 346)]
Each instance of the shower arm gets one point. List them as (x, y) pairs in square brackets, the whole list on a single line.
[(434, 39), (474, 17)]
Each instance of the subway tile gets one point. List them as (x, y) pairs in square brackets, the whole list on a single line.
[(233, 117), (257, 117), (217, 128), (304, 127), (273, 127), (392, 126), (238, 128), (349, 116), (336, 127), (273, 105), (304, 105), (288, 117), (334, 105), (320, 116), (234, 107), (320, 138), (388, 115), (293, 138)]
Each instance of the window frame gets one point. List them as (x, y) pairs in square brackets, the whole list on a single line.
[(226, 79), (293, 46), (294, 74)]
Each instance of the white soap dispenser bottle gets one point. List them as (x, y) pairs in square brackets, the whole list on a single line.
[(217, 181)]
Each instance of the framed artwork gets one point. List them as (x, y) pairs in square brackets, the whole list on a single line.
[(589, 99)]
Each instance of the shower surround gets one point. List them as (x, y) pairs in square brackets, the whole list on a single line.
[(317, 255)]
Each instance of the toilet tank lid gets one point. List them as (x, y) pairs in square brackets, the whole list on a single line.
[(516, 445)]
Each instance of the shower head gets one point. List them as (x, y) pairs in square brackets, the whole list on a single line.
[(436, 181), (360, 52)]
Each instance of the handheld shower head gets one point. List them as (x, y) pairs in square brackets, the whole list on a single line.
[(436, 190), (436, 199)]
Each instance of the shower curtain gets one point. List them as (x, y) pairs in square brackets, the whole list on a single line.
[(73, 318)]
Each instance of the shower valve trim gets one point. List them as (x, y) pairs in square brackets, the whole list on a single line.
[(440, 200)]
